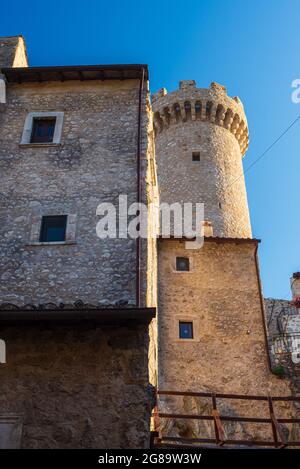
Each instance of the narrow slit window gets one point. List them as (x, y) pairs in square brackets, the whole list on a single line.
[(42, 130), (182, 264), (53, 229), (196, 156), (186, 330)]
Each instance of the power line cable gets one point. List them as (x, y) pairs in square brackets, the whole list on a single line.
[(265, 151), (262, 155)]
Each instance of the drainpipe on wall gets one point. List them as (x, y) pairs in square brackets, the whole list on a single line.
[(262, 305), (139, 190)]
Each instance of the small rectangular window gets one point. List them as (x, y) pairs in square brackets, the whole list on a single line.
[(196, 155), (186, 330), (182, 264), (42, 130), (53, 229)]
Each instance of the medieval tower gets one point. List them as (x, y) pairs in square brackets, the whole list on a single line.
[(211, 325), (201, 136)]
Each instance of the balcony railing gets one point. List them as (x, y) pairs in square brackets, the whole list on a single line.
[(278, 438)]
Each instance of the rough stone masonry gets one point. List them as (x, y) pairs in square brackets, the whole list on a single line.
[(77, 355), (78, 313)]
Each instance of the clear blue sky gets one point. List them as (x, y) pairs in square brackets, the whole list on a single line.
[(252, 47)]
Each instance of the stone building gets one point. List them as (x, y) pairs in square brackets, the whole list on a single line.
[(211, 319), (283, 326), (75, 309), (78, 313)]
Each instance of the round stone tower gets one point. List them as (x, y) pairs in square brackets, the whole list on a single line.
[(201, 136)]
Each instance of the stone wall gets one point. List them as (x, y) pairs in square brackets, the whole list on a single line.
[(77, 387), (228, 353), (84, 386), (283, 322), (221, 293), (95, 162)]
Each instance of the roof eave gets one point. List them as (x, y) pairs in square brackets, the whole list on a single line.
[(75, 72), (100, 316), (215, 239)]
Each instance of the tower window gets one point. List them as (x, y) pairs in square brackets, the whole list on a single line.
[(43, 130), (53, 229), (186, 330), (196, 156), (182, 264)]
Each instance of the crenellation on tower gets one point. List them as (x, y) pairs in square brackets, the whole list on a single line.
[(187, 84), (218, 87), (160, 93), (204, 104)]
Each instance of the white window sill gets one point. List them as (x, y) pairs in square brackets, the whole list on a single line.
[(32, 145), (53, 243)]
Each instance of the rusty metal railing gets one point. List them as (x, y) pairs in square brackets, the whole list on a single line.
[(278, 437)]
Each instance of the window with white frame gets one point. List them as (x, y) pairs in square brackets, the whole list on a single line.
[(42, 128), (53, 229)]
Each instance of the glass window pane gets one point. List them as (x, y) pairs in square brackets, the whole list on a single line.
[(43, 130), (182, 264), (53, 228), (186, 330)]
